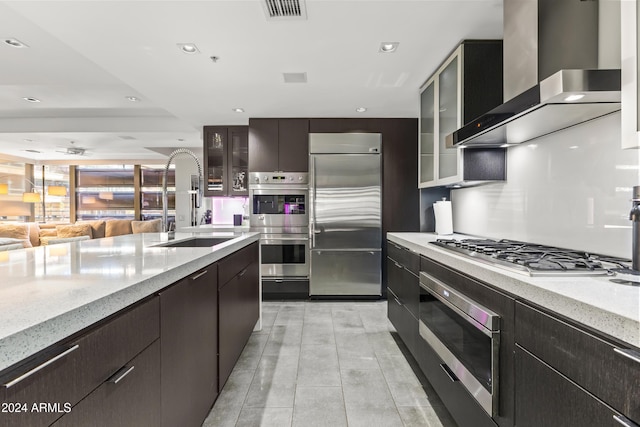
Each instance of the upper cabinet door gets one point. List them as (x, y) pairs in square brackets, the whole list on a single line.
[(426, 158), (278, 145), (630, 45), (238, 161), (226, 160), (293, 147), (448, 118), (215, 160), (263, 145)]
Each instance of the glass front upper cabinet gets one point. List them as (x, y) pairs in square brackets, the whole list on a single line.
[(427, 135), (226, 160), (440, 116), (448, 119)]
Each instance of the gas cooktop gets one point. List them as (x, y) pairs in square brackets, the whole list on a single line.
[(533, 259)]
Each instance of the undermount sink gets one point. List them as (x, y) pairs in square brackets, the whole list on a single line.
[(197, 242)]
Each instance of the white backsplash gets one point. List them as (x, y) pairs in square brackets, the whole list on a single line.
[(223, 208), (570, 189)]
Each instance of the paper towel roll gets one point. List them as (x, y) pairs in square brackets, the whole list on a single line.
[(444, 217)]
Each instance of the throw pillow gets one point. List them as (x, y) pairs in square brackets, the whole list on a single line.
[(117, 227), (152, 226), (97, 227), (16, 231), (73, 230)]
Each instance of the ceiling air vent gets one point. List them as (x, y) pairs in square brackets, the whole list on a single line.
[(285, 9), (295, 77)]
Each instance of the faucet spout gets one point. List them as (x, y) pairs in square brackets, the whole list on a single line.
[(165, 203)]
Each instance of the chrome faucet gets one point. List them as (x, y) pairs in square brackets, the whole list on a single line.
[(199, 195)]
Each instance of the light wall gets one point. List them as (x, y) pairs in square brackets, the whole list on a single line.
[(570, 189)]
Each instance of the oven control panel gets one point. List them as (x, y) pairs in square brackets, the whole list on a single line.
[(283, 178)]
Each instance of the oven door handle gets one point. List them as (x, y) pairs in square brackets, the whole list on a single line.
[(488, 322)]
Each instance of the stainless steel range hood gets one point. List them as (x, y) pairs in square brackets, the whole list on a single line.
[(565, 99), (551, 48)]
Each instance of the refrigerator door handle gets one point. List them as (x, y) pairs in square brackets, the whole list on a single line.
[(312, 217)]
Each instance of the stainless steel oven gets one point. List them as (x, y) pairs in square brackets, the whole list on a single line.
[(284, 256), (466, 337), (279, 202)]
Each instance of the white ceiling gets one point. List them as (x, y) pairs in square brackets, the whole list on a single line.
[(86, 56)]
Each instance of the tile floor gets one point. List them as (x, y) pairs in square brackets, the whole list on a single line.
[(326, 364)]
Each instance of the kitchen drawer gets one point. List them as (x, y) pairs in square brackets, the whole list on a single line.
[(545, 398), (588, 360), (460, 404), (233, 264), (405, 257), (79, 365), (406, 325), (405, 285), (278, 289), (131, 397)]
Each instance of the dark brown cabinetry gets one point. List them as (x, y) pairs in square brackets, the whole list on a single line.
[(189, 347), (239, 306), (279, 145), (226, 160), (70, 370), (403, 287), (555, 356), (130, 397)]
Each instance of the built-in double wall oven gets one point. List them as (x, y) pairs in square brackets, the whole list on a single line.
[(279, 211), (466, 337)]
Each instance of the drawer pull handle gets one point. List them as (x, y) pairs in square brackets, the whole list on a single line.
[(628, 353), (119, 376), (242, 273), (450, 374), (397, 265), (199, 275), (624, 421), (279, 281), (41, 366), (397, 300)]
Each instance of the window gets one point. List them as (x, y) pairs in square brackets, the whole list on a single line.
[(105, 191), (56, 192), (151, 192)]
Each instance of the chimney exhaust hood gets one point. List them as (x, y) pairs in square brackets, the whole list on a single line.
[(565, 99), (552, 66)]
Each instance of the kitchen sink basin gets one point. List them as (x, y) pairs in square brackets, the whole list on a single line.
[(197, 242)]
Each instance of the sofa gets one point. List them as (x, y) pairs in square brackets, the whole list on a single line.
[(16, 235)]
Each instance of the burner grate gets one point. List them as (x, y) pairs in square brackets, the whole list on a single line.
[(534, 258)]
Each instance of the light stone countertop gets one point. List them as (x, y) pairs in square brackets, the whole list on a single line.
[(594, 301), (48, 293)]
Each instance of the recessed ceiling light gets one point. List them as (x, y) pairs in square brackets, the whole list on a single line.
[(238, 110), (132, 98), (33, 151), (361, 109), (180, 139), (388, 47), (188, 47), (30, 99), (574, 147), (574, 97), (15, 43)]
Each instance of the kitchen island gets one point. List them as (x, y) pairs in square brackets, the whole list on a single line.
[(559, 349), (76, 318)]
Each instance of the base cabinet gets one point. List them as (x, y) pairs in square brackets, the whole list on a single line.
[(189, 348), (61, 377), (462, 407), (239, 306), (572, 373), (130, 397), (545, 398)]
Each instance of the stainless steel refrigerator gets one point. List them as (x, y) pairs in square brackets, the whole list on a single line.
[(345, 222)]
